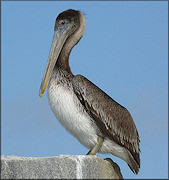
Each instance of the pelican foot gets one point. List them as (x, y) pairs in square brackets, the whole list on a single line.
[(88, 152)]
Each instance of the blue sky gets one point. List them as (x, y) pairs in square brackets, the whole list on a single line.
[(124, 51)]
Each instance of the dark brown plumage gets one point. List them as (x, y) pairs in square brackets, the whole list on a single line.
[(113, 120)]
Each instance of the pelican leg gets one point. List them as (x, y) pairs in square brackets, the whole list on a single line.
[(96, 147)]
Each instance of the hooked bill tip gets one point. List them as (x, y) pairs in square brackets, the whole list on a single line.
[(41, 95), (42, 89)]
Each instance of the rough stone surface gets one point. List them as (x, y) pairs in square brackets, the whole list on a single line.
[(59, 167)]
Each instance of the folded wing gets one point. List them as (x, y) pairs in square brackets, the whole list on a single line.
[(113, 120)]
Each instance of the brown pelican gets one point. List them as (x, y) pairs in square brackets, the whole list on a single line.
[(88, 113)]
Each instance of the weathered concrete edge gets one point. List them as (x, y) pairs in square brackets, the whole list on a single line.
[(63, 166)]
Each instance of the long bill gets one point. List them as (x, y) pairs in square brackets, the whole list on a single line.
[(59, 38)]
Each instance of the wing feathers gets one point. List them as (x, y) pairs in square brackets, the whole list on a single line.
[(113, 119)]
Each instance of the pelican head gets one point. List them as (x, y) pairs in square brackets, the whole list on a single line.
[(69, 29)]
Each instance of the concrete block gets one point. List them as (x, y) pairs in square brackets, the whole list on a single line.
[(59, 167)]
